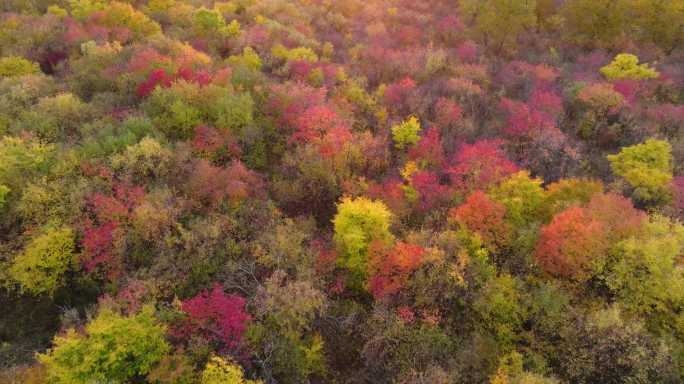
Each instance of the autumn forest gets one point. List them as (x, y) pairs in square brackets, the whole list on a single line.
[(341, 191)]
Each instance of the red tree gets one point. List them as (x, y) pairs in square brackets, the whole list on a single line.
[(525, 122), (429, 150), (215, 316), (215, 144), (447, 112), (431, 192), (484, 216), (546, 101), (570, 243), (468, 51), (617, 214), (287, 102), (480, 165), (98, 242), (396, 94), (391, 192), (315, 122), (678, 193), (109, 214), (389, 269), (213, 185), (164, 79)]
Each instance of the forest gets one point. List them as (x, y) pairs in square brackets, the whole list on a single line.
[(341, 191)]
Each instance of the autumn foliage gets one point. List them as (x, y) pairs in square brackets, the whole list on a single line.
[(570, 243), (277, 191), (480, 165), (215, 316), (390, 268), (484, 216)]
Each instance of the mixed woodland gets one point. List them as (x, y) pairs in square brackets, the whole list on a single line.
[(342, 191)]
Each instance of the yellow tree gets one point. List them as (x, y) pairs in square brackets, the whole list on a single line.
[(358, 223)]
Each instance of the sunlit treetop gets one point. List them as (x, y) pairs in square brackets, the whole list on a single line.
[(570, 244), (359, 222), (498, 23), (523, 197), (249, 59), (40, 268), (645, 275), (222, 371), (17, 66), (113, 349), (647, 168), (406, 133), (626, 66), (298, 53), (601, 97), (211, 21)]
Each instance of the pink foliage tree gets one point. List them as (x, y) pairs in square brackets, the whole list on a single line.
[(110, 213), (214, 185), (428, 151), (480, 165), (447, 112), (215, 316)]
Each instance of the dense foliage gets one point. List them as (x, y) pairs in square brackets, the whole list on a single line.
[(351, 191)]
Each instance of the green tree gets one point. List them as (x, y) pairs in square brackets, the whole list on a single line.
[(40, 268), (498, 23), (660, 22), (499, 309), (4, 191), (644, 274), (55, 118), (406, 133), (608, 347), (359, 222), (81, 9), (118, 14), (568, 192), (523, 197), (647, 168), (511, 371), (17, 66), (249, 59), (599, 23), (114, 349), (626, 66), (20, 161), (298, 53), (210, 21), (283, 337)]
